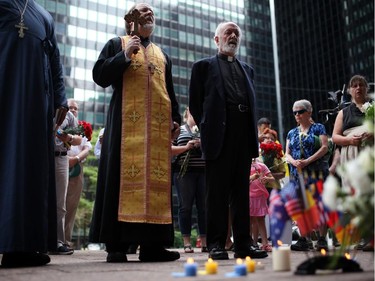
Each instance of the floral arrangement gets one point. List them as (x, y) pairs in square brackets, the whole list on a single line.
[(184, 166), (352, 209), (270, 152)]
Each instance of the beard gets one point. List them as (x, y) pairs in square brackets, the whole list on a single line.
[(149, 27), (230, 48)]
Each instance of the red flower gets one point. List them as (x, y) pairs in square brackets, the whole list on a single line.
[(269, 152), (87, 129), (272, 149)]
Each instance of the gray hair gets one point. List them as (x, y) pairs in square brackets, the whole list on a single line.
[(303, 103), (220, 27)]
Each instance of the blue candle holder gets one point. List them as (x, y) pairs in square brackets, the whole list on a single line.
[(240, 270), (191, 268)]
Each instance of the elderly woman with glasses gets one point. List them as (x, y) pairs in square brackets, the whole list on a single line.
[(306, 146), (307, 143)]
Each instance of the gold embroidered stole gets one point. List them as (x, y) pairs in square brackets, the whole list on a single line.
[(145, 183)]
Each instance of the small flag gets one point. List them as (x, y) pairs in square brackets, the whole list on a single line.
[(278, 216)]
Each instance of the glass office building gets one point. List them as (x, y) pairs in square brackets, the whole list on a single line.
[(321, 44), (185, 30)]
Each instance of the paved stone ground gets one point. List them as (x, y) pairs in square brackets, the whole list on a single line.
[(91, 265)]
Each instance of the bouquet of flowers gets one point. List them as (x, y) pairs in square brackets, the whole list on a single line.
[(270, 152), (185, 163), (83, 129)]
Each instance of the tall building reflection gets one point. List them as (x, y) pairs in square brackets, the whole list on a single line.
[(321, 44)]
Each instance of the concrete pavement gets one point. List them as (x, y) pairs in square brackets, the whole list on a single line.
[(90, 265)]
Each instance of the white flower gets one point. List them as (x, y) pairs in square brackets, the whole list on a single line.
[(356, 221), (349, 204), (331, 187), (365, 106), (359, 178), (366, 159)]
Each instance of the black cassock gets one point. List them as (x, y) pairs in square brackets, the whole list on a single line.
[(31, 88)]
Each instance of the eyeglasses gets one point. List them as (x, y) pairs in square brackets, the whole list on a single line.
[(299, 112)]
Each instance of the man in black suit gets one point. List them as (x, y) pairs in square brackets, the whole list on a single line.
[(222, 100)]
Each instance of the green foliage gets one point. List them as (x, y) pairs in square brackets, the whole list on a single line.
[(178, 241), (84, 213), (369, 112)]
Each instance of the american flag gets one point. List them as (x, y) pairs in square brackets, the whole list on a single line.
[(300, 206), (278, 216), (290, 195)]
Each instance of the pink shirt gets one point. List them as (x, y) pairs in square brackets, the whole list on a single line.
[(257, 188)]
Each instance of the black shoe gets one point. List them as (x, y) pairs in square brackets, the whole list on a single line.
[(63, 249), (321, 244), (300, 245), (218, 253), (20, 259), (116, 257), (251, 252), (157, 255)]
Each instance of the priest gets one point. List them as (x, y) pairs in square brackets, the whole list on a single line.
[(133, 197)]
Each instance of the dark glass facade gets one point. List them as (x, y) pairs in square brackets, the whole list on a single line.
[(321, 44)]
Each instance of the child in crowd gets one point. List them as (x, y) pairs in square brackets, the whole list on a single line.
[(259, 176)]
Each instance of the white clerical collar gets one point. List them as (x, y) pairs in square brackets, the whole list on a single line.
[(227, 58)]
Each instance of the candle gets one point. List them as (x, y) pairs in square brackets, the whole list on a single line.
[(190, 267), (211, 266), (281, 257), (240, 268), (250, 264)]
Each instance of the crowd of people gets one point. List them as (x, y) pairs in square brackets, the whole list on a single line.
[(220, 163)]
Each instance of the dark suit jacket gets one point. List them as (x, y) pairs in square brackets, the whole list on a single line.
[(207, 104)]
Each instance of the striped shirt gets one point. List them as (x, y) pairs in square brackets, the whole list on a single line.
[(196, 163)]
